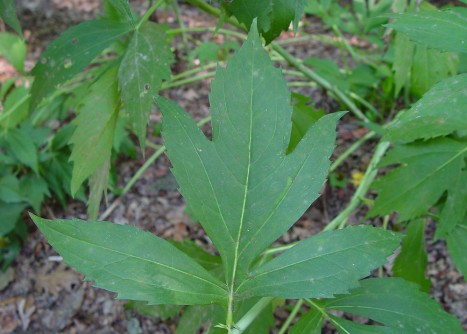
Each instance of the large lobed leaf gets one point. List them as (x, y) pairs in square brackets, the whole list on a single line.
[(135, 264), (242, 186), (323, 265), (145, 64), (443, 30), (95, 126), (427, 170), (72, 52), (439, 112)]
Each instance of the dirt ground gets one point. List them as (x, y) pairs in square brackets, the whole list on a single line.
[(41, 294)]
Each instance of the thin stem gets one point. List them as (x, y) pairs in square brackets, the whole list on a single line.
[(148, 13), (362, 189), (188, 80), (251, 315), (193, 71), (350, 150), (176, 9), (320, 81), (204, 29), (291, 317), (367, 104)]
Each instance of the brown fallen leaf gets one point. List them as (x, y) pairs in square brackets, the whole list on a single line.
[(53, 280)]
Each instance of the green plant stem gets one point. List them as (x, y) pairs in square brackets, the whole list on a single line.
[(367, 104), (291, 317), (320, 81), (173, 84), (148, 13), (370, 174), (350, 150), (251, 315), (193, 71), (181, 24), (209, 29)]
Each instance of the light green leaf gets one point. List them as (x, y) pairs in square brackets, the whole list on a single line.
[(443, 30), (454, 209), (396, 304), (135, 264), (95, 124), (98, 183), (145, 65), (71, 53), (440, 112), (8, 15), (22, 147), (427, 170), (13, 49), (456, 240), (323, 265), (309, 323), (15, 108), (10, 213), (411, 262), (242, 186)]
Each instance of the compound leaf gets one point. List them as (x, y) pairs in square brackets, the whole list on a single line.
[(95, 127), (439, 112), (123, 10), (443, 30), (145, 64), (398, 305), (323, 265), (427, 170), (135, 264), (411, 262), (70, 53), (242, 186)]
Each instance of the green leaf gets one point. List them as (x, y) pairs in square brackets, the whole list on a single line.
[(443, 30), (71, 53), (274, 16), (411, 262), (123, 11), (457, 246), (208, 261), (135, 264), (95, 126), (427, 170), (98, 183), (303, 117), (430, 67), (346, 326), (20, 145), (34, 189), (145, 65), (10, 213), (194, 316), (396, 304), (323, 265), (162, 312), (242, 186), (15, 108), (9, 189), (8, 15), (402, 65), (13, 49), (309, 323), (329, 70), (454, 209), (440, 112)]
